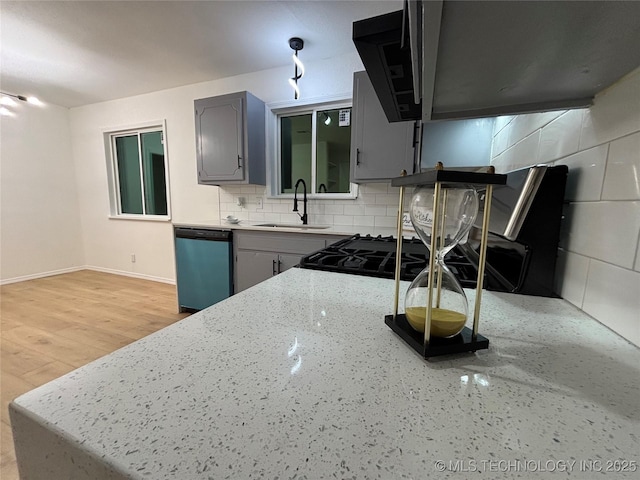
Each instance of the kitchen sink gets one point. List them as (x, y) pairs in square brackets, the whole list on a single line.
[(292, 225)]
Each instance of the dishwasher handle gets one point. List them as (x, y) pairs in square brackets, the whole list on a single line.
[(203, 234)]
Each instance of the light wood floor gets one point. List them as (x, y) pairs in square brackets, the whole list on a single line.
[(53, 325)]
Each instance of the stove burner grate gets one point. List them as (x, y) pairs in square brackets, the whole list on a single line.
[(376, 256)]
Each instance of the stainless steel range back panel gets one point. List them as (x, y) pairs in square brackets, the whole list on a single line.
[(526, 215), (511, 202)]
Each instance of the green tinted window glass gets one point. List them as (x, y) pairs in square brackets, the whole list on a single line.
[(127, 157), (333, 149), (155, 186), (295, 150)]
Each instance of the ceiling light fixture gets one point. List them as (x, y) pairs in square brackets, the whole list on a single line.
[(296, 44), (7, 100)]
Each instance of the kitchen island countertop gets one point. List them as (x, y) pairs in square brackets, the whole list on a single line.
[(299, 377)]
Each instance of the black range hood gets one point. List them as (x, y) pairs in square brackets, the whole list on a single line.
[(487, 58), (383, 45)]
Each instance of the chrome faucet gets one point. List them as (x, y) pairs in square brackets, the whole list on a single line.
[(304, 200)]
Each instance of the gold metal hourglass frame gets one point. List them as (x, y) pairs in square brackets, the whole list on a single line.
[(440, 180)]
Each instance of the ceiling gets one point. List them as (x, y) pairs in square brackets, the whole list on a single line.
[(76, 53)]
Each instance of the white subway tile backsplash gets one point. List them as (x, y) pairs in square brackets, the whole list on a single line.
[(607, 231), (622, 175), (226, 196), (373, 201), (612, 296), (318, 208), (367, 198), (267, 207), (501, 122), (229, 207), (363, 221), (499, 163), (586, 171), (392, 210), (256, 216), (525, 152), (343, 220), (294, 218), (272, 217), (281, 207), (560, 137), (384, 221), (524, 125), (354, 209), (571, 276), (614, 114), (242, 215), (500, 141), (323, 219), (379, 210), (601, 230), (334, 209), (387, 199)]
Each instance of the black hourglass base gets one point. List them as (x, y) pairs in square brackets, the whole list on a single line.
[(460, 343)]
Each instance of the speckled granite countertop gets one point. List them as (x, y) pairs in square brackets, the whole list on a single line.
[(299, 377)]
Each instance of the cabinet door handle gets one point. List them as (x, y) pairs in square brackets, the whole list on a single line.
[(239, 162), (279, 266), (357, 156), (273, 267)]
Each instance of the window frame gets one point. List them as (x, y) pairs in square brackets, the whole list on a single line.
[(274, 166), (115, 201)]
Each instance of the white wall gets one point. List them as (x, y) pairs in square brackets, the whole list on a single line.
[(599, 268), (40, 220), (109, 243)]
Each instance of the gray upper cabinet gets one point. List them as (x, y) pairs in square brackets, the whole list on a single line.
[(230, 139), (379, 150)]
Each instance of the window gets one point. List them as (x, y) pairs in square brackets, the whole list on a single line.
[(138, 173), (314, 144)]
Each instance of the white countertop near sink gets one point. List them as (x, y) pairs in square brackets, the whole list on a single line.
[(331, 230), (299, 377)]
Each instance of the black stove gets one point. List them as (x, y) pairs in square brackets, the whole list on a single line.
[(376, 257), (518, 261)]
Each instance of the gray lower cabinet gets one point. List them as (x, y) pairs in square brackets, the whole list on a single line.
[(230, 139), (379, 150), (262, 255)]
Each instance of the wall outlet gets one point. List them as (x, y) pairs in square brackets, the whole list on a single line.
[(259, 203), (133, 258)]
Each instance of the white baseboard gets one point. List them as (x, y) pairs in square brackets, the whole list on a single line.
[(87, 267), (130, 274), (33, 276)]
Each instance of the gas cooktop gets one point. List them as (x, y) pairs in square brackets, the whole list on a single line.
[(376, 257)]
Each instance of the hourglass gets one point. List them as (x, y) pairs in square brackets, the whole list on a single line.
[(443, 209), (457, 206)]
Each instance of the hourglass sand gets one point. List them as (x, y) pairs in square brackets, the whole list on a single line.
[(443, 209)]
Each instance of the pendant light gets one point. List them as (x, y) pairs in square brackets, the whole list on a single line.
[(296, 45)]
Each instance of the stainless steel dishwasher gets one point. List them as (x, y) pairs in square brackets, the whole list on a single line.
[(204, 267)]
